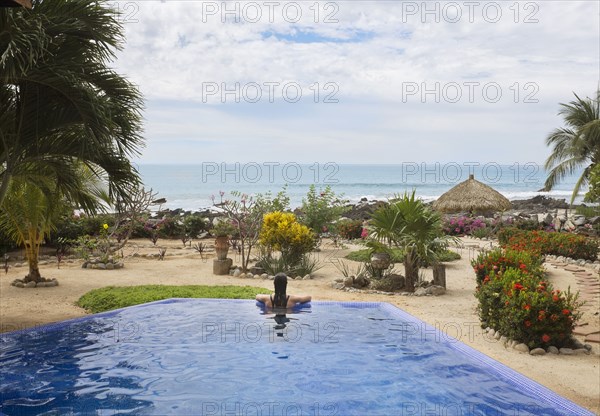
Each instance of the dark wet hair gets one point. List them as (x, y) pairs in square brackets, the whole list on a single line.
[(280, 298)]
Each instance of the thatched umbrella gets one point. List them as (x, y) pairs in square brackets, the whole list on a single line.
[(16, 3), (471, 196)]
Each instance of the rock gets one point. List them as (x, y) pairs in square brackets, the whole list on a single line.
[(110, 266), (242, 275), (84, 265), (503, 340), (521, 348), (497, 336), (513, 343), (435, 290), (119, 265), (257, 270), (594, 220), (360, 281), (40, 284), (337, 285), (557, 224), (101, 266), (256, 276), (30, 284), (420, 291), (237, 273), (577, 344), (566, 351), (580, 351), (264, 276), (271, 277), (20, 284), (537, 351), (545, 218), (348, 282), (491, 333), (579, 220), (306, 277), (587, 347), (552, 350)]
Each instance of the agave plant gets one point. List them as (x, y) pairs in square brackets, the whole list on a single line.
[(409, 224)]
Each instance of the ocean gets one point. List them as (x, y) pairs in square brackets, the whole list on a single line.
[(190, 187)]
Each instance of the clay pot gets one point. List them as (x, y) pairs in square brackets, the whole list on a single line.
[(222, 247)]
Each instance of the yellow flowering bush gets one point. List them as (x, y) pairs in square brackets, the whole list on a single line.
[(282, 232)]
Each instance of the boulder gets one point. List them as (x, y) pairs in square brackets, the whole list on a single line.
[(421, 291), (552, 350), (566, 351), (521, 348), (435, 290), (537, 351), (579, 220)]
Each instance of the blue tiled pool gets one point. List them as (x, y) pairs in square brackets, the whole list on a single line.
[(225, 357)]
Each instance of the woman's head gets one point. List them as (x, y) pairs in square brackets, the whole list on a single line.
[(280, 298), (280, 283)]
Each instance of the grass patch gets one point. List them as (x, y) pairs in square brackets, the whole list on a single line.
[(397, 255), (113, 297)]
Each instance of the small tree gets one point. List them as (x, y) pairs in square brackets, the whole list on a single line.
[(320, 209), (246, 218), (27, 216), (409, 224)]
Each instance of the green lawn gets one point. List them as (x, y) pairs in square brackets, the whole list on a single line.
[(397, 255), (112, 297)]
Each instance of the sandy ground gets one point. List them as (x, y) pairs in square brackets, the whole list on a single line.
[(575, 377)]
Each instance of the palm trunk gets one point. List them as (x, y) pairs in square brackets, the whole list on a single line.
[(34, 268), (411, 269), (4, 186)]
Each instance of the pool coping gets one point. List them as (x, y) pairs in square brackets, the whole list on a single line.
[(515, 377)]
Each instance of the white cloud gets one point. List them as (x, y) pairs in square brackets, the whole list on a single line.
[(374, 52)]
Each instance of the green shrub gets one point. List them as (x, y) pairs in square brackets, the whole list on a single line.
[(195, 224), (111, 297), (497, 261), (320, 209), (542, 243), (350, 230), (525, 308)]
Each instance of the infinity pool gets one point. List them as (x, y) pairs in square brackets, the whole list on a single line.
[(226, 357)]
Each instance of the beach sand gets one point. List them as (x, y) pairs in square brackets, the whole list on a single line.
[(575, 377)]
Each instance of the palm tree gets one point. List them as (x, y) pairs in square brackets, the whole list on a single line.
[(409, 224), (27, 216), (29, 211), (60, 102), (577, 145)]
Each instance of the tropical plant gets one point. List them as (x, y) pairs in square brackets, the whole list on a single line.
[(246, 216), (320, 209), (409, 224), (577, 145), (593, 193), (60, 101), (281, 232), (27, 216)]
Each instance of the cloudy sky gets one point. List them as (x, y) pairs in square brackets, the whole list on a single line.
[(356, 81)]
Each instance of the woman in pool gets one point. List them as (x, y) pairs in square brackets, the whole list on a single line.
[(281, 299)]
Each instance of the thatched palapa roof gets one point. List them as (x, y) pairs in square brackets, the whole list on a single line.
[(471, 195)]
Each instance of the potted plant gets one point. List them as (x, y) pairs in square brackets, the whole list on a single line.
[(222, 230), (381, 256)]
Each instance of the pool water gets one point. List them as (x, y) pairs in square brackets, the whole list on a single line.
[(225, 357)]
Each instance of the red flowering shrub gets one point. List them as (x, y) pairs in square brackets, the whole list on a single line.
[(497, 261), (542, 242), (517, 302), (350, 230)]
